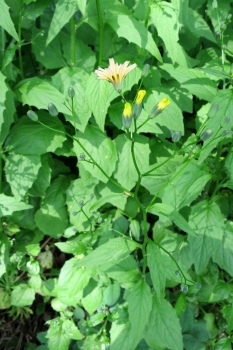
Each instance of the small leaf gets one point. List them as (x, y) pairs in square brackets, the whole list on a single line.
[(6, 21), (22, 295)]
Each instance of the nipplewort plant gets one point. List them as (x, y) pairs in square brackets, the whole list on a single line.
[(116, 181)]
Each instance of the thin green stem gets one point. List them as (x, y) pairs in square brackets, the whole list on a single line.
[(146, 23), (88, 219), (100, 20), (72, 32), (1, 171), (144, 213), (19, 43), (143, 123), (72, 111)]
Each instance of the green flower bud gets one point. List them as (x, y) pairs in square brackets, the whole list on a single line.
[(82, 156), (184, 288), (176, 135), (145, 70), (206, 134), (223, 27), (32, 115), (71, 92), (81, 203), (218, 35), (127, 115), (52, 110)]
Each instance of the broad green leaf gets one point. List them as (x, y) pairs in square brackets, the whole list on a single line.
[(187, 183), (164, 18), (35, 9), (76, 78), (92, 301), (5, 300), (220, 122), (82, 5), (22, 295), (4, 253), (61, 332), (82, 190), (126, 173), (157, 268), (28, 137), (110, 193), (192, 79), (112, 252), (173, 215), (42, 182), (50, 56), (121, 337), (9, 55), (73, 246), (163, 328), (219, 16), (197, 25), (132, 30), (39, 93), (140, 306), (9, 205), (208, 222), (126, 272), (111, 294), (223, 255), (21, 171), (6, 21), (63, 12), (227, 312), (7, 109), (52, 218), (223, 344), (102, 150), (72, 281)]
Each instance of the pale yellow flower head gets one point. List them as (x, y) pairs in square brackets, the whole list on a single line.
[(140, 96), (115, 73)]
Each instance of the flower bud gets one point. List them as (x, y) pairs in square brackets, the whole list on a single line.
[(184, 288), (145, 70), (75, 213), (213, 109), (82, 156), (81, 203), (223, 27), (206, 134), (176, 135), (159, 107), (32, 115), (127, 115), (137, 106), (52, 110), (218, 35), (214, 4), (71, 92)]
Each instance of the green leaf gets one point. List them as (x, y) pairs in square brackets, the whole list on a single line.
[(39, 93), (110, 194), (227, 312), (42, 182), (72, 280), (157, 269), (140, 306), (21, 171), (101, 148), (164, 18), (9, 205), (126, 173), (125, 272), (163, 328), (121, 337), (28, 137), (192, 79), (76, 78), (132, 30), (4, 253), (223, 255), (111, 294), (188, 182), (6, 21), (208, 222), (63, 12), (92, 301), (7, 108), (82, 5), (112, 252), (220, 121), (50, 56), (51, 218), (197, 25), (22, 295), (61, 332)]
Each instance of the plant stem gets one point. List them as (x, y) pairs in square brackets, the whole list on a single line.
[(144, 213), (100, 32), (72, 32), (19, 43), (146, 24), (1, 182)]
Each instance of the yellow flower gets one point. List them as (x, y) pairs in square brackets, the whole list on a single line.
[(127, 115), (115, 73), (159, 107), (140, 96)]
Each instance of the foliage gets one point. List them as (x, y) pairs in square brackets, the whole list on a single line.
[(116, 193)]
